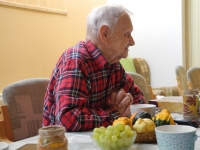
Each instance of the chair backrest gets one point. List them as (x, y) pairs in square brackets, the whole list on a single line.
[(181, 78), (25, 100), (142, 68), (142, 84), (128, 64), (193, 76)]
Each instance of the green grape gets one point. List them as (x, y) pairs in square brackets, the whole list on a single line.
[(114, 138), (120, 143), (107, 137), (96, 130), (110, 127), (107, 142), (123, 134), (131, 133), (127, 128), (95, 135), (102, 129), (127, 141), (113, 145), (101, 139), (118, 126), (122, 127), (116, 132), (108, 132)]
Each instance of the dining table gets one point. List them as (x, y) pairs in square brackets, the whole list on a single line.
[(82, 141)]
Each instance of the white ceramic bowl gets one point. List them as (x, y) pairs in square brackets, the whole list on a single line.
[(150, 108)]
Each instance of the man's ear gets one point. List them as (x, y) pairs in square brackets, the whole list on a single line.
[(104, 33)]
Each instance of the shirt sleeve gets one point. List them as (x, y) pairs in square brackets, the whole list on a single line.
[(67, 100)]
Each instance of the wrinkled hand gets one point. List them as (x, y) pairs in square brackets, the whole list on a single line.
[(121, 101)]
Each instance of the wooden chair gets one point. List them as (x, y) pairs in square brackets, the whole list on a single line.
[(193, 76), (181, 78), (5, 124), (21, 116), (142, 84)]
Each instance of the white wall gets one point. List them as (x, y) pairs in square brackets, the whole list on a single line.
[(158, 36)]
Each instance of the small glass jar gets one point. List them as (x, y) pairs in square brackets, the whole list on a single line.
[(191, 104), (52, 138)]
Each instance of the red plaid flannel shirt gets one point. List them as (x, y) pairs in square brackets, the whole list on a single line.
[(79, 89)]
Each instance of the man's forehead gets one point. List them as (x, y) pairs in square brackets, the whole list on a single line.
[(124, 23)]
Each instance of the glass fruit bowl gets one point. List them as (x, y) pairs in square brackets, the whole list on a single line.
[(113, 139)]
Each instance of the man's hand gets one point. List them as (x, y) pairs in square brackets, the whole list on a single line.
[(121, 101)]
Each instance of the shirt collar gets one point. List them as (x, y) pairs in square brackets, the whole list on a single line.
[(96, 54)]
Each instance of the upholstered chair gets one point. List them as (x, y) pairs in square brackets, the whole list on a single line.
[(181, 78), (193, 76), (21, 116), (142, 84)]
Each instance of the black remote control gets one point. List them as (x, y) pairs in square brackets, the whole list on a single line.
[(187, 122)]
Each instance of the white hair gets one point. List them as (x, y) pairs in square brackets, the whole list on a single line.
[(103, 15)]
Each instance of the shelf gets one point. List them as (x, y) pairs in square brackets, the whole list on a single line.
[(27, 6)]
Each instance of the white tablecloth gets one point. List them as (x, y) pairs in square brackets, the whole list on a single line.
[(79, 141), (82, 141)]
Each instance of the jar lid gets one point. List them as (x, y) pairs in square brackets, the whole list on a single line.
[(51, 130), (191, 92)]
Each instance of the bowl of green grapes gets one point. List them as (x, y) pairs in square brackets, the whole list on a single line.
[(113, 137)]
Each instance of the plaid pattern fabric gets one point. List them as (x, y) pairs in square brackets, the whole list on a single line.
[(80, 87)]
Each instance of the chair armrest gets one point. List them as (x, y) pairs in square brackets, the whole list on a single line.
[(3, 136), (6, 124), (158, 92), (166, 91), (190, 86), (153, 96)]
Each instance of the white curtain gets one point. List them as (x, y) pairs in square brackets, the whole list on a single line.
[(191, 10)]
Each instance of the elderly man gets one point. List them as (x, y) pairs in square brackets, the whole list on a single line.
[(89, 87)]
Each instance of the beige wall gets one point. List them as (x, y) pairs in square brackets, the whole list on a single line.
[(158, 37), (32, 41)]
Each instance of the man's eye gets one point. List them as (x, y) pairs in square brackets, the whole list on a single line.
[(127, 35)]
